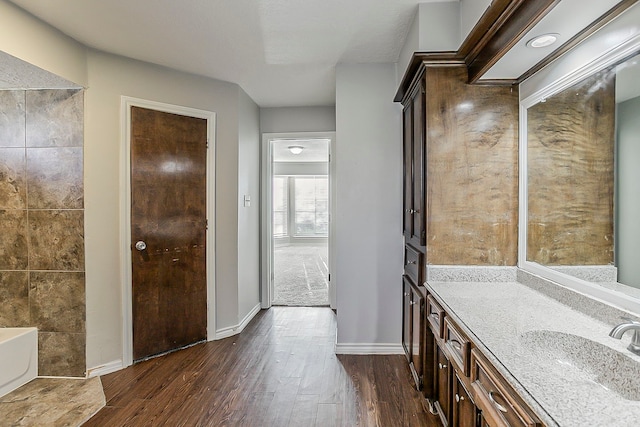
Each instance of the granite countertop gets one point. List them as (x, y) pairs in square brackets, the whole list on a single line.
[(549, 369)]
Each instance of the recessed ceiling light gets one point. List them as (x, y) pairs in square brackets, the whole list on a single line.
[(295, 149), (543, 40)]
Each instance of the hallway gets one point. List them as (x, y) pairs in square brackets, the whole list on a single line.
[(281, 371)]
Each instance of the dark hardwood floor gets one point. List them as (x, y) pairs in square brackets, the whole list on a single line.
[(280, 371)]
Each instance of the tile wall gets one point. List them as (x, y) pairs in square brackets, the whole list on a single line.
[(42, 281)]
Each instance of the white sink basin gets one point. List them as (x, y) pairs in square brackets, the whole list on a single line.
[(589, 361)]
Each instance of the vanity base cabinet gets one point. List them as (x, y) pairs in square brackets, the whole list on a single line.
[(443, 386), (414, 329), (501, 406), (465, 412)]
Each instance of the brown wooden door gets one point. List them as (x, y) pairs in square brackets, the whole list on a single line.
[(464, 410), (168, 214), (407, 220), (418, 231), (444, 386), (406, 318)]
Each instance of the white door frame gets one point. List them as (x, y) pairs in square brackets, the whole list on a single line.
[(266, 251), (125, 214)]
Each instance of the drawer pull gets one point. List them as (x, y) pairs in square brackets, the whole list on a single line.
[(459, 398), (413, 302), (411, 262), (441, 366), (496, 404), (406, 294), (456, 344)]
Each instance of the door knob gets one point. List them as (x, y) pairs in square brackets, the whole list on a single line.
[(140, 245)]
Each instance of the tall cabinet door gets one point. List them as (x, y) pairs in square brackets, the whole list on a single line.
[(414, 167), (418, 161), (407, 221)]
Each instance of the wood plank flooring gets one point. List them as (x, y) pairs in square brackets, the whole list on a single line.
[(280, 371)]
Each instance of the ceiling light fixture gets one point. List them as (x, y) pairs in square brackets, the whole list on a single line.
[(543, 40), (295, 149)]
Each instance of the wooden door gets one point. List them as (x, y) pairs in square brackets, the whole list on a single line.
[(417, 334), (407, 220), (444, 386), (168, 231), (406, 318), (418, 231), (464, 410)]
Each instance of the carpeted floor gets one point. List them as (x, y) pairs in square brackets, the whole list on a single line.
[(300, 276)]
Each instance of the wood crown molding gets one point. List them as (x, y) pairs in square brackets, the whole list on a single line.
[(514, 22), (500, 27)]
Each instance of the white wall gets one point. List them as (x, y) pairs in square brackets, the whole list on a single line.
[(435, 28), (470, 12), (411, 45), (33, 41), (248, 216), (368, 224), (110, 77), (439, 26), (627, 195), (297, 119)]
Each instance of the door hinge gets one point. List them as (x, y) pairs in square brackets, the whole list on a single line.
[(206, 224), (329, 276)]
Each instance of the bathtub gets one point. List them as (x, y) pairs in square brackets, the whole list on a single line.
[(18, 357)]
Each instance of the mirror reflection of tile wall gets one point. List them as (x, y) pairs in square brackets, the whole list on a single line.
[(42, 280)]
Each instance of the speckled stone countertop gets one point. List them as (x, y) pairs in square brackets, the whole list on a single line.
[(524, 334)]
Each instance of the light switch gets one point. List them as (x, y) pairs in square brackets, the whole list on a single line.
[(247, 201)]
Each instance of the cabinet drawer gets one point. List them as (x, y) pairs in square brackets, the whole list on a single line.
[(496, 399), (413, 264), (458, 346), (435, 315)]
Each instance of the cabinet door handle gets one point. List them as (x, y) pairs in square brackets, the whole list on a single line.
[(413, 302), (496, 404), (411, 262), (459, 398), (441, 366), (406, 294)]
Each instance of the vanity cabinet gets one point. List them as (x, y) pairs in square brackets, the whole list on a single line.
[(469, 391), (414, 329), (499, 403), (443, 385), (465, 411)]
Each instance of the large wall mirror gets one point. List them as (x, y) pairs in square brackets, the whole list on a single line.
[(580, 169)]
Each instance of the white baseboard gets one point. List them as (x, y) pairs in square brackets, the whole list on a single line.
[(235, 330), (105, 369), (372, 348)]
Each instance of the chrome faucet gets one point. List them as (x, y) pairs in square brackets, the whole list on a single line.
[(629, 325)]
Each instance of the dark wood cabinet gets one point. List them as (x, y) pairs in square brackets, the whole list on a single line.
[(443, 384), (414, 167), (465, 412), (406, 318), (414, 328)]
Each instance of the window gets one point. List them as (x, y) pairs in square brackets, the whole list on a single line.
[(311, 205), (300, 206), (280, 206)]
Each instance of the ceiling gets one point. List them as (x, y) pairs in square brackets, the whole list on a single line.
[(281, 52)]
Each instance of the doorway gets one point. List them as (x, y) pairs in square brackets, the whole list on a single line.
[(297, 232), (168, 284)]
